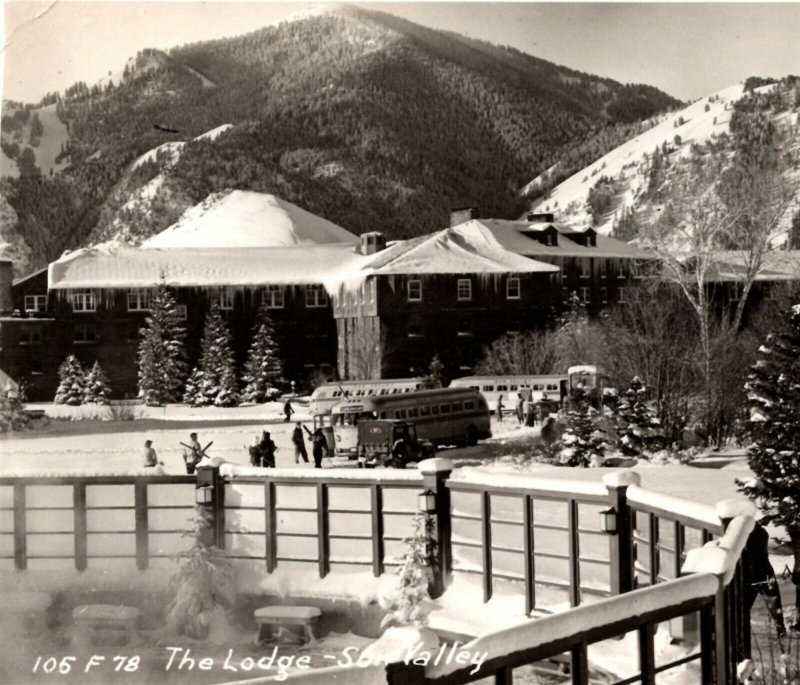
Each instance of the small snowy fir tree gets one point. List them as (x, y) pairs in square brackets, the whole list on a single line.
[(436, 371), (12, 414), (161, 357), (263, 371), (410, 603), (202, 585), (96, 389), (582, 439), (71, 382), (637, 428), (773, 389), (214, 380)]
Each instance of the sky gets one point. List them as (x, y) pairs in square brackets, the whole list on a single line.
[(688, 50)]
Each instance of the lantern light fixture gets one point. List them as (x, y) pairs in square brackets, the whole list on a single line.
[(608, 521), (204, 494), (426, 501)]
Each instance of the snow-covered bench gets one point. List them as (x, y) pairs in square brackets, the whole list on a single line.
[(23, 613), (105, 623), (281, 616)]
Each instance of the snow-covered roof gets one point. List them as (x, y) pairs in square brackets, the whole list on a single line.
[(448, 252), (113, 266), (510, 235), (240, 218), (777, 265)]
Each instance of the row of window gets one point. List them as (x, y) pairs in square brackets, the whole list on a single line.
[(463, 289), (427, 410), (585, 266), (139, 299), (585, 295), (416, 328)]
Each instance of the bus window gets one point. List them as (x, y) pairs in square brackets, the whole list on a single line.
[(384, 391), (371, 391), (512, 387), (445, 409), (488, 388), (401, 413), (395, 391), (552, 386), (458, 406), (383, 415), (538, 386), (413, 413), (469, 404), (502, 388), (435, 409), (424, 411)]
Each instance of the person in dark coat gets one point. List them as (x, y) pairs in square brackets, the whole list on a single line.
[(520, 408), (287, 411), (759, 577), (267, 449), (500, 407), (319, 447), (298, 440)]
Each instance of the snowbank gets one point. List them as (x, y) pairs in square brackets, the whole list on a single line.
[(702, 513)]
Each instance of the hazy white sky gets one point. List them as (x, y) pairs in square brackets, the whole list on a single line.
[(688, 50)]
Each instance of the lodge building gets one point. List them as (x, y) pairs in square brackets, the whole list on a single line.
[(342, 304)]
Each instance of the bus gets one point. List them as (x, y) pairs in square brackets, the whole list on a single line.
[(531, 388), (329, 394), (445, 416)]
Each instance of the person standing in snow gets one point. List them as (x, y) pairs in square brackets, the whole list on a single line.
[(298, 440), (500, 408), (319, 447), (267, 449), (192, 453), (287, 411), (520, 408), (759, 577)]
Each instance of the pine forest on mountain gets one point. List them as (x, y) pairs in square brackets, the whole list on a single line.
[(360, 117)]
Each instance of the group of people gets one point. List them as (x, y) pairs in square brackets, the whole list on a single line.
[(262, 451), (527, 411)]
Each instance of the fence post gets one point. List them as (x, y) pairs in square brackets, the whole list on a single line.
[(210, 504), (142, 524), (20, 532), (620, 544), (271, 525), (79, 507), (323, 531), (435, 473)]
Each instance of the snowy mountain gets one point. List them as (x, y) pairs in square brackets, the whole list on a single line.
[(618, 188)]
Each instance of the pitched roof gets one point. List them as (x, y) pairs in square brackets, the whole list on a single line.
[(511, 236), (239, 218), (776, 265)]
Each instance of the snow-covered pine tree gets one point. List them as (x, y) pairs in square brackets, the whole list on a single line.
[(582, 439), (637, 428), (436, 371), (96, 389), (215, 375), (773, 389), (71, 382), (192, 387), (410, 604), (161, 357), (263, 371)]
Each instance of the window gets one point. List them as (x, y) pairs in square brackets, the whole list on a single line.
[(512, 289), (85, 333), (413, 413), (400, 413), (565, 295), (83, 301), (488, 388), (550, 239), (620, 268), (469, 404), (181, 312), (35, 303), (603, 268), (638, 269), (425, 411), (457, 406), (30, 335), (585, 295), (502, 388), (586, 268), (464, 325), (225, 299), (604, 295), (138, 300), (415, 327), (464, 289), (737, 290), (273, 296), (316, 296), (621, 295), (36, 367), (435, 410), (415, 291)]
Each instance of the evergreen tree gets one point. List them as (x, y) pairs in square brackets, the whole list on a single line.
[(637, 428), (193, 383), (411, 604), (436, 371), (263, 370), (71, 382), (96, 389), (12, 414), (773, 389), (214, 379), (161, 357), (582, 438)]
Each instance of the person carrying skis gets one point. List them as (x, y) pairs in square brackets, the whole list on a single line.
[(298, 440), (192, 453)]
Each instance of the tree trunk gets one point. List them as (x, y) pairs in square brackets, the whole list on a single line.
[(794, 541)]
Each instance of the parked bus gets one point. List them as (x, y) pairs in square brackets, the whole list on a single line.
[(590, 379), (532, 388), (445, 416), (329, 394)]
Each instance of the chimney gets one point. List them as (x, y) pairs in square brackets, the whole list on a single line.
[(6, 279), (541, 217), (372, 242), (462, 214)]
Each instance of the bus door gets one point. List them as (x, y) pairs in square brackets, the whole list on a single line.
[(324, 422)]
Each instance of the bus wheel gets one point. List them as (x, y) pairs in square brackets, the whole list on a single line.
[(472, 436)]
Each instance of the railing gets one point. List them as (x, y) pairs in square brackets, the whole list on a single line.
[(85, 522)]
